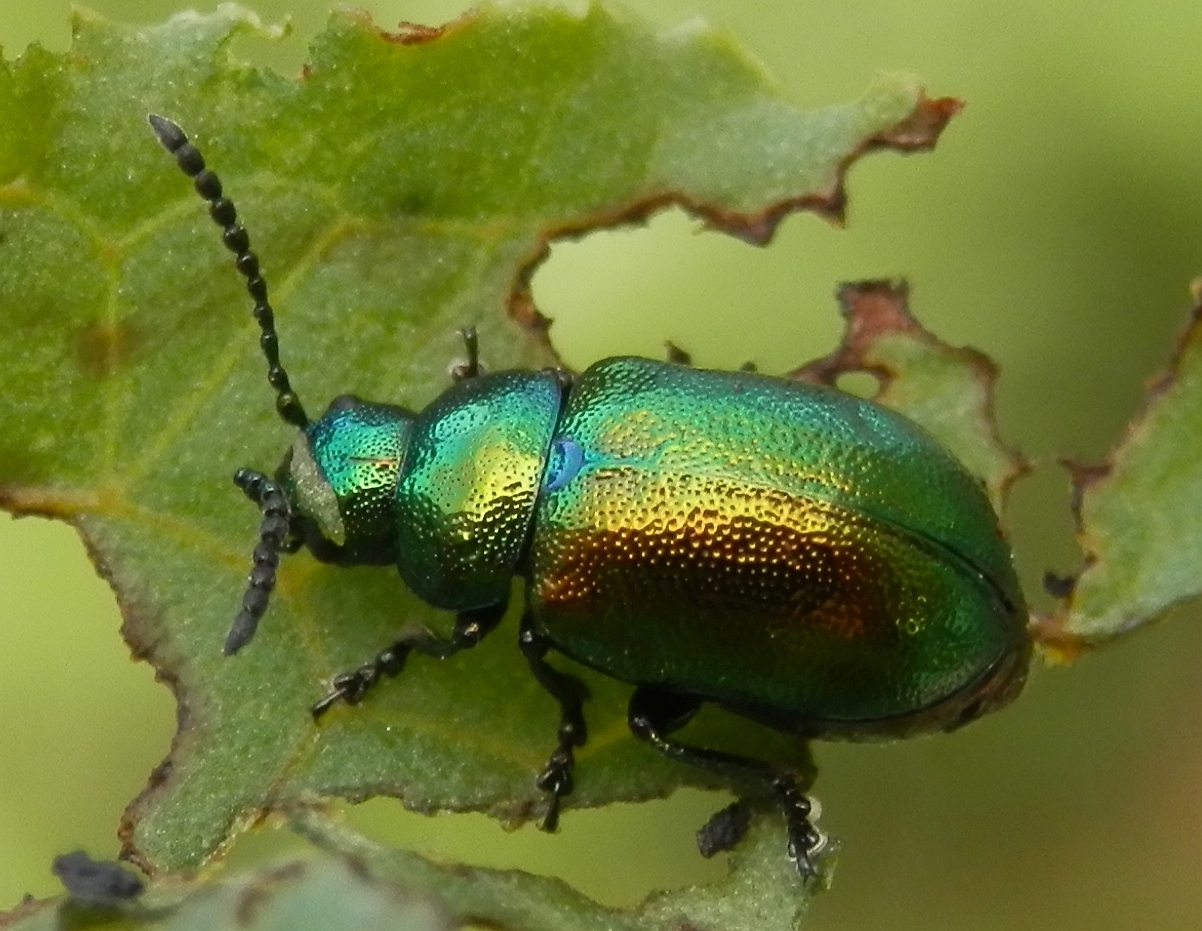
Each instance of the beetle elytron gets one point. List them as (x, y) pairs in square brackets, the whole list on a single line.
[(796, 555)]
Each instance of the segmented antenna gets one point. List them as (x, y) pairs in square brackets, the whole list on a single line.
[(208, 186)]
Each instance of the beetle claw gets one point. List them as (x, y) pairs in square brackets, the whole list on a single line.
[(556, 780), (550, 822), (805, 866), (348, 687), (805, 840), (324, 704)]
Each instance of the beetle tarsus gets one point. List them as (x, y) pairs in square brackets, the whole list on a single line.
[(556, 780), (350, 687), (804, 839), (324, 704), (571, 693), (656, 713)]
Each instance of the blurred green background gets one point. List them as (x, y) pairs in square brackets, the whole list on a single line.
[(1056, 227)]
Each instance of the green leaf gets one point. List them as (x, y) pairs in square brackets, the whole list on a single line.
[(406, 185), (328, 893), (761, 891), (947, 390), (1137, 514), (356, 883)]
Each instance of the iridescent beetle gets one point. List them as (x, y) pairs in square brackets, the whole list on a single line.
[(796, 555)]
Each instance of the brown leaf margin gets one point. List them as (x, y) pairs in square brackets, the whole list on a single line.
[(1051, 630), (878, 308), (918, 132), (27, 908)]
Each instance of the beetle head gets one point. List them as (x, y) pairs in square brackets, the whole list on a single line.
[(340, 479), (333, 492)]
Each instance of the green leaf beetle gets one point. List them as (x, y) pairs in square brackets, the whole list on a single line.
[(796, 555)]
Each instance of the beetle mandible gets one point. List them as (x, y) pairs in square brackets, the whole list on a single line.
[(796, 555)]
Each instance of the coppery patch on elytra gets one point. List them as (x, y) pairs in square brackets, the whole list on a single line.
[(853, 604), (105, 347)]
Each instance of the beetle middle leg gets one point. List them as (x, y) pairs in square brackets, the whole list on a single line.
[(571, 693), (655, 713), (470, 629)]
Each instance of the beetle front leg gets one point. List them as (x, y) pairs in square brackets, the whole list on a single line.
[(656, 713), (571, 694), (470, 629)]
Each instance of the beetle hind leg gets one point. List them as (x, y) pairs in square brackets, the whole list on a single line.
[(350, 687), (571, 693), (656, 713)]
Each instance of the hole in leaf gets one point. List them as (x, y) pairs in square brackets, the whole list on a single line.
[(626, 291), (861, 384), (83, 725)]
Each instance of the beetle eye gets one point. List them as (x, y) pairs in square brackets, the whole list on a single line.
[(314, 497)]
